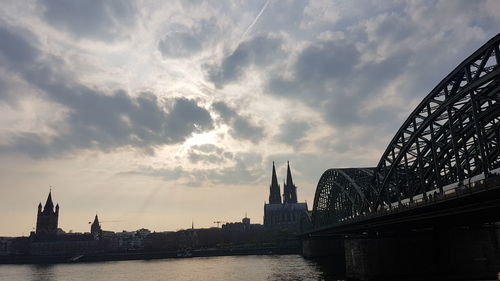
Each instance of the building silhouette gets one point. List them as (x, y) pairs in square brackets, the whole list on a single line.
[(286, 215), (290, 190), (95, 229), (274, 189), (46, 220)]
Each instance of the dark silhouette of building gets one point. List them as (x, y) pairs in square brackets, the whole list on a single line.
[(274, 189), (95, 229), (46, 220), (290, 190), (246, 220), (286, 215), (240, 226)]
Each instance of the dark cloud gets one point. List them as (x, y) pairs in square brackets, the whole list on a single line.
[(391, 55), (347, 79), (16, 53), (331, 77), (317, 71), (97, 120), (3, 89), (15, 49), (324, 77), (185, 41), (325, 61), (185, 118), (260, 51), (108, 122), (96, 19), (241, 127), (6, 90), (293, 132), (225, 112)]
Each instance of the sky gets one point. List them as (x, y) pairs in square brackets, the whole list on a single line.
[(157, 114)]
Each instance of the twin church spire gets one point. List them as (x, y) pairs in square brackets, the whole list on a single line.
[(290, 190)]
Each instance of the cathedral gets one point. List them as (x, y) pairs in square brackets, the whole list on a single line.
[(46, 220), (286, 213)]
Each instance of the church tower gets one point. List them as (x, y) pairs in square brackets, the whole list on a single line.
[(274, 189), (286, 216), (46, 220), (95, 229), (290, 190)]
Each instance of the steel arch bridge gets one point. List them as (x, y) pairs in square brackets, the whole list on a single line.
[(449, 140)]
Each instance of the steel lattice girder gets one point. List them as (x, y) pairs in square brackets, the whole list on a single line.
[(449, 136), (452, 135), (341, 193)]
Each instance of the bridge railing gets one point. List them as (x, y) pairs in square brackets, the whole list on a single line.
[(450, 194)]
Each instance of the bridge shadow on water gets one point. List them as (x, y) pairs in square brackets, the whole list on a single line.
[(331, 269)]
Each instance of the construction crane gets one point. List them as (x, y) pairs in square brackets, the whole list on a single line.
[(219, 222)]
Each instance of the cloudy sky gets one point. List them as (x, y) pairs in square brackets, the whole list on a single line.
[(158, 113)]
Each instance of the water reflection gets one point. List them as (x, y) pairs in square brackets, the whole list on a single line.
[(240, 268), (42, 272)]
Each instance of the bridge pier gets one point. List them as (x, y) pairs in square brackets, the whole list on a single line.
[(321, 246), (457, 253)]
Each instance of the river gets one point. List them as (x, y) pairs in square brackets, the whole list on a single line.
[(241, 268)]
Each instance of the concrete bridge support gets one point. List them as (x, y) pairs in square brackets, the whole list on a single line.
[(320, 247), (452, 253)]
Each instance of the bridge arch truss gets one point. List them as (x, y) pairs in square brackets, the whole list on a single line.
[(453, 135)]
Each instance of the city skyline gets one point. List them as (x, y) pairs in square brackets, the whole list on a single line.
[(159, 115), (51, 208), (49, 221)]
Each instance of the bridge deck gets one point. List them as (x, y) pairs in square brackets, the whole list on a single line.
[(465, 205)]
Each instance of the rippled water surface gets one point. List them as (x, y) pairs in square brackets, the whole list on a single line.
[(242, 268)]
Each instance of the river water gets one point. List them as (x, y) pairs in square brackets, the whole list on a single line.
[(241, 268)]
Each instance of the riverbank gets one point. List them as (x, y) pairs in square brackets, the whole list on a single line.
[(142, 255)]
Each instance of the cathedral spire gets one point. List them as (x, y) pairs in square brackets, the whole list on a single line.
[(288, 174), (274, 189), (274, 180), (290, 195)]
